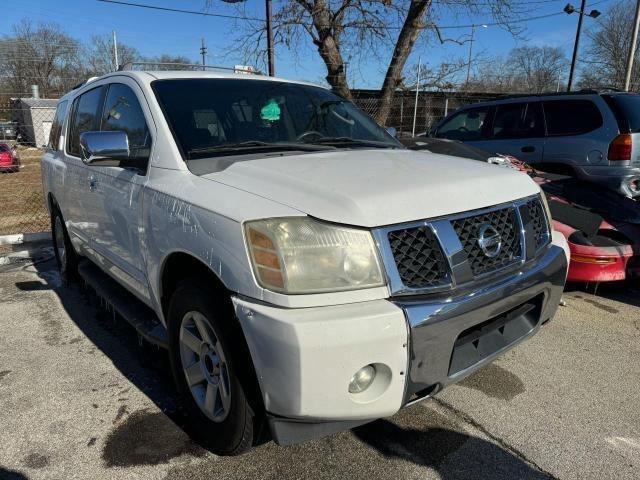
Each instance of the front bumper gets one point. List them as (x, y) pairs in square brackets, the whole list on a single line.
[(304, 358)]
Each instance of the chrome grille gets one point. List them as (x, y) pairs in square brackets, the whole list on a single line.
[(506, 223), (440, 254), (538, 221), (418, 257)]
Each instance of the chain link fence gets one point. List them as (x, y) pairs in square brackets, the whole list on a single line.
[(25, 123), (428, 109)]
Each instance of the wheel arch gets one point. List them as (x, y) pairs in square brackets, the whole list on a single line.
[(180, 265)]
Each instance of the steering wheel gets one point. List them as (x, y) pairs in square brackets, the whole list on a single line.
[(463, 129), (308, 133)]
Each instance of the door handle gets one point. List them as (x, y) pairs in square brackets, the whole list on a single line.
[(528, 149), (93, 182)]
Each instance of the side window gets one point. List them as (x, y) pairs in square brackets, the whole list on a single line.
[(571, 117), (56, 126), (122, 112), (517, 120), (84, 118), (464, 126)]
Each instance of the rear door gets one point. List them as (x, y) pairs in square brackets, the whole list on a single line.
[(576, 134), (517, 129), (83, 117)]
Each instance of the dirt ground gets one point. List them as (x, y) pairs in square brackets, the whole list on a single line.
[(21, 205)]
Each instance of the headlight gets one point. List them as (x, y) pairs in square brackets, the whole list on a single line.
[(301, 255)]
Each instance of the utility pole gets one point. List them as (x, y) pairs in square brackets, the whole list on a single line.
[(632, 48), (415, 105), (115, 51), (569, 9), (272, 68), (576, 45), (473, 30), (203, 52)]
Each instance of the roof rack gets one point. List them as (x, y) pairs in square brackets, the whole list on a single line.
[(90, 79), (178, 66), (584, 91)]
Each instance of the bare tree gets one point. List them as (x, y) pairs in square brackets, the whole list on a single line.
[(169, 62), (536, 69), (605, 61), (40, 55), (100, 56)]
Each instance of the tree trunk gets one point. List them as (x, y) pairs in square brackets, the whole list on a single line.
[(411, 28), (329, 49)]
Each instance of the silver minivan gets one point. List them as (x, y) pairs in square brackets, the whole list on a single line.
[(595, 136)]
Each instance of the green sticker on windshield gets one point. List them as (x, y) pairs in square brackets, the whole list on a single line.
[(271, 111)]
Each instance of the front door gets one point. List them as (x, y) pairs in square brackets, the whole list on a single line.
[(115, 198)]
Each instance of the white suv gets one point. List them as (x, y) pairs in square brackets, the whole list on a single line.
[(305, 271)]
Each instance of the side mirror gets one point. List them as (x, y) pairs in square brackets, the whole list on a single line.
[(392, 131), (105, 149)]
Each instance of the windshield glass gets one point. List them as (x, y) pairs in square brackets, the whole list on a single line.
[(220, 117)]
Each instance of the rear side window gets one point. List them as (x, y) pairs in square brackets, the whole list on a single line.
[(517, 120), (56, 126), (571, 117), (465, 126), (85, 117), (626, 109), (122, 112)]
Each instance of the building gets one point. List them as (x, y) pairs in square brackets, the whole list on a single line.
[(33, 117)]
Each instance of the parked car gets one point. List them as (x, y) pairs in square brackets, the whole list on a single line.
[(9, 159), (8, 130), (601, 227), (305, 271), (594, 136)]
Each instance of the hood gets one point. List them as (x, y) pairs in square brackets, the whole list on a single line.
[(372, 188)]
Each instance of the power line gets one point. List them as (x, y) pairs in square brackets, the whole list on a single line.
[(377, 27)]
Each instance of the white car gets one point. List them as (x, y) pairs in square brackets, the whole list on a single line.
[(306, 272)]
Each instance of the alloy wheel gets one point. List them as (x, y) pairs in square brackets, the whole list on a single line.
[(205, 367)]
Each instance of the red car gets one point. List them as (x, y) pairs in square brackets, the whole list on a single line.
[(9, 160), (602, 227)]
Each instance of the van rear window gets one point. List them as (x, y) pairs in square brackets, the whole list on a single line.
[(626, 108)]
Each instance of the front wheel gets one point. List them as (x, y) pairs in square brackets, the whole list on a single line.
[(209, 375)]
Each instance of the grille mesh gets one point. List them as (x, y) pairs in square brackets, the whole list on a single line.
[(506, 223), (538, 222), (418, 256)]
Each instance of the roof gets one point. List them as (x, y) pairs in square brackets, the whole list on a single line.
[(39, 102)]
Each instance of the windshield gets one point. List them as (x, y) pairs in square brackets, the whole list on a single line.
[(221, 117)]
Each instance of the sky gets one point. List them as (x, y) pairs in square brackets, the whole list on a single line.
[(154, 32)]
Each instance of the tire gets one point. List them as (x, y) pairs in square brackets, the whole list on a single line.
[(201, 332), (66, 257)]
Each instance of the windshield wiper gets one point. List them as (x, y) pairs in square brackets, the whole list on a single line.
[(250, 145), (348, 141)]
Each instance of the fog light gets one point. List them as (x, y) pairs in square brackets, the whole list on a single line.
[(362, 379), (634, 185)]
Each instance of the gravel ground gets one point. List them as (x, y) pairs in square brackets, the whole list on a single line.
[(80, 399)]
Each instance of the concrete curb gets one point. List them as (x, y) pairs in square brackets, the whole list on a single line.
[(20, 238)]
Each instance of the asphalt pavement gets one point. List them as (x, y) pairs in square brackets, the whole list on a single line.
[(80, 398)]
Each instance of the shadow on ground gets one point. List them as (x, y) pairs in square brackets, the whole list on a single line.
[(6, 474)]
